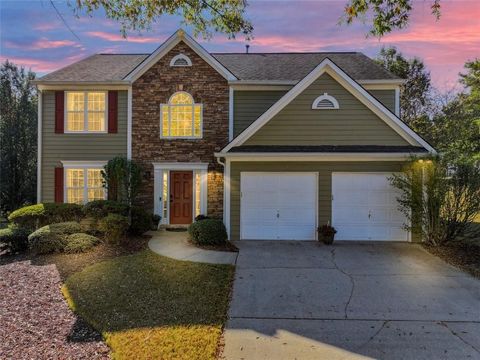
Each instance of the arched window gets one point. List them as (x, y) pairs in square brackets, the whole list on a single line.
[(180, 60), (325, 102), (181, 117)]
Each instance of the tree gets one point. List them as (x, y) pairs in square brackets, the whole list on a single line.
[(225, 16), (415, 92), (440, 199), (384, 15), (18, 137), (455, 131), (122, 178)]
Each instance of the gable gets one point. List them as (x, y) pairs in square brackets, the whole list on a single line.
[(352, 124)]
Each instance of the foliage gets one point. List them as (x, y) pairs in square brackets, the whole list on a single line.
[(415, 92), (14, 238), (35, 216), (52, 238), (440, 202), (80, 242), (208, 232), (327, 230), (169, 309), (203, 16), (18, 137), (385, 15), (114, 227), (100, 208), (141, 221), (201, 217), (155, 220), (123, 179)]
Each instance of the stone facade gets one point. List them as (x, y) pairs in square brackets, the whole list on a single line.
[(155, 87)]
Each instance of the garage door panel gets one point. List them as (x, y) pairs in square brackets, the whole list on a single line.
[(372, 213), (278, 206)]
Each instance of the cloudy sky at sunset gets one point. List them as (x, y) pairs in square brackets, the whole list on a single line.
[(33, 35)]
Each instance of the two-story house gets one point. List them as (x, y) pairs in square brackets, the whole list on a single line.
[(276, 144)]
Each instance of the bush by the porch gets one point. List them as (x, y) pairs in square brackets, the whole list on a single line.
[(80, 242), (34, 216), (440, 200), (52, 238), (208, 232), (114, 227)]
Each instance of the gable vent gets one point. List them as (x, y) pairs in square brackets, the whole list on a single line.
[(325, 102), (180, 60)]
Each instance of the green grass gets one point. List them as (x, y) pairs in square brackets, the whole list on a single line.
[(150, 307)]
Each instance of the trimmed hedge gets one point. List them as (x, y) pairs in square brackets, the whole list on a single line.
[(142, 221), (14, 238), (208, 232), (80, 242), (101, 208), (34, 216), (52, 238), (114, 227)]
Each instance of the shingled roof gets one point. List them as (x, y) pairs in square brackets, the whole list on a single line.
[(249, 67), (295, 66)]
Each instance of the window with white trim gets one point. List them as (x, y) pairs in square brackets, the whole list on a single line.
[(180, 60), (86, 111), (83, 185), (325, 102), (181, 117)]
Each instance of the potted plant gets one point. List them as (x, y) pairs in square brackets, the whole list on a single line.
[(326, 233)]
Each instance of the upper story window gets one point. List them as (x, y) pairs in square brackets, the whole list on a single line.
[(180, 60), (86, 111), (181, 117), (325, 102)]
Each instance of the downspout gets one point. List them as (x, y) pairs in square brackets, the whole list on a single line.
[(219, 160)]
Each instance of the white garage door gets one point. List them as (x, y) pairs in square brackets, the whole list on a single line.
[(278, 206), (364, 207)]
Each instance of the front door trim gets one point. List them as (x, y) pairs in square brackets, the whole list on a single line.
[(161, 170)]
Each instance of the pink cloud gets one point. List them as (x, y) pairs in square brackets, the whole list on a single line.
[(42, 44), (39, 65), (117, 37)]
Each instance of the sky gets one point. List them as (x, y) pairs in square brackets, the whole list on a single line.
[(34, 36)]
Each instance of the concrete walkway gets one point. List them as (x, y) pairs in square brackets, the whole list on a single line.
[(175, 245), (301, 300)]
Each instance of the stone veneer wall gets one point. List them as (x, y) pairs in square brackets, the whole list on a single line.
[(155, 87)]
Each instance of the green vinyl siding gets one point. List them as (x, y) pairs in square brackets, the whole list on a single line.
[(386, 97), (324, 170), (78, 147), (249, 105), (352, 124)]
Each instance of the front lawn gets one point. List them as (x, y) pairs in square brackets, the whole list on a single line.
[(150, 307)]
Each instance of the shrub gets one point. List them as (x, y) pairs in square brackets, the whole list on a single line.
[(208, 232), (201, 217), (80, 242), (14, 238), (52, 238), (114, 227), (141, 221), (155, 220), (35, 216), (100, 208)]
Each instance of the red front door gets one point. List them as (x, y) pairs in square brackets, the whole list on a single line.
[(181, 200)]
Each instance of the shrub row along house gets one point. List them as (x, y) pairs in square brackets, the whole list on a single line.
[(276, 144)]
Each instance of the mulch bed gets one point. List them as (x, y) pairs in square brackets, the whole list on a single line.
[(227, 247), (35, 321), (465, 255)]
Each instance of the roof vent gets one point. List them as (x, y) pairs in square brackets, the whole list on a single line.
[(325, 102), (180, 60)]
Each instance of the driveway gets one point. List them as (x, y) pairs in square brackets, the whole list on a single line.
[(300, 300)]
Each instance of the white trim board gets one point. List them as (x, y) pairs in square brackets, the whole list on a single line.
[(180, 166), (172, 41), (86, 164), (329, 67), (39, 146)]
